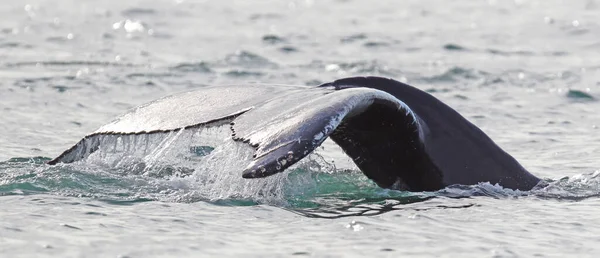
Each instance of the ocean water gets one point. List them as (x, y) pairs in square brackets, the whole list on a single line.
[(527, 72)]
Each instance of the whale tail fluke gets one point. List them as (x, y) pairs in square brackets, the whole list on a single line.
[(399, 136)]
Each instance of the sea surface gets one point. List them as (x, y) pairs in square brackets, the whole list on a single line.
[(527, 72)]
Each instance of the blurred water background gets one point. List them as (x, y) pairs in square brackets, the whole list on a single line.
[(526, 71)]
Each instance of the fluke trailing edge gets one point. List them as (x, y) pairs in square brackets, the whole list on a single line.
[(399, 136)]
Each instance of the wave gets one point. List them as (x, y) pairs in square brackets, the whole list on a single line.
[(204, 165)]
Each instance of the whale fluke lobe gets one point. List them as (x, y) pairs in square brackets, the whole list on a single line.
[(386, 144), (397, 135), (460, 150), (379, 132)]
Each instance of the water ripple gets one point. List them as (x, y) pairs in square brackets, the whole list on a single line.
[(15, 45), (198, 67), (247, 59), (579, 95), (454, 47), (455, 74), (243, 73), (70, 63), (273, 39), (373, 67), (353, 38), (138, 11)]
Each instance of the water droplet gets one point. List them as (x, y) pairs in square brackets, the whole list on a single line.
[(575, 23), (133, 26), (355, 226), (82, 72), (117, 25), (332, 67)]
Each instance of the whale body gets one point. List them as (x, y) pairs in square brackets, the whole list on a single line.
[(398, 136)]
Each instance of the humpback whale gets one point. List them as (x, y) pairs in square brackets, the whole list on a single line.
[(397, 135)]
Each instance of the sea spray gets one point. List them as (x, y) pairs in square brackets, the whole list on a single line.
[(190, 165)]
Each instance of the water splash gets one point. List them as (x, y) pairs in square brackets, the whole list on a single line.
[(172, 162), (181, 166), (577, 187), (203, 164)]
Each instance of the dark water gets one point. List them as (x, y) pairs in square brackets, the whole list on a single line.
[(526, 72)]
